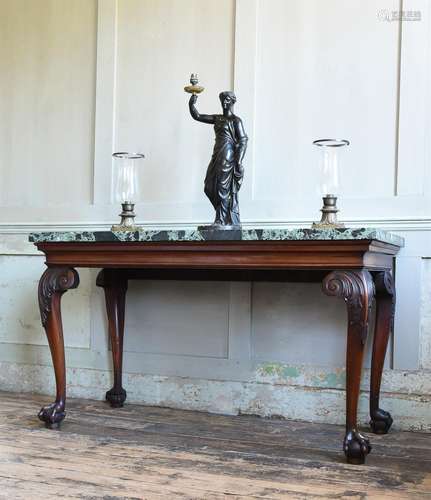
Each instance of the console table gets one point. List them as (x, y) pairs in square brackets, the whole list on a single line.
[(353, 264)]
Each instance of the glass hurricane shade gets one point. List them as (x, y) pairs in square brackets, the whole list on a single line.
[(328, 164), (125, 177)]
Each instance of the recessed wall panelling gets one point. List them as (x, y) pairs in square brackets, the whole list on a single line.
[(326, 69), (414, 151), (183, 318), (296, 323), (20, 318), (286, 331), (160, 42), (47, 85), (425, 338)]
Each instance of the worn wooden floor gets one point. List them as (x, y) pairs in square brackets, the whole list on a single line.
[(142, 452)]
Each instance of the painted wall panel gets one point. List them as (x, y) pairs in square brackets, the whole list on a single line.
[(47, 85), (425, 321), (184, 318), (160, 42), (415, 103), (322, 70), (286, 329), (20, 318)]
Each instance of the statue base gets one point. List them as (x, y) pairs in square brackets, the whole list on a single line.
[(219, 227), (220, 232)]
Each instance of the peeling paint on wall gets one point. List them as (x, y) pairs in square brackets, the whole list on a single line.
[(318, 404), (279, 370)]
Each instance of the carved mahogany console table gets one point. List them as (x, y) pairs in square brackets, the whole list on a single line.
[(353, 264)]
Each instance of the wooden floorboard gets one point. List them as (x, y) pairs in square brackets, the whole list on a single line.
[(139, 452)]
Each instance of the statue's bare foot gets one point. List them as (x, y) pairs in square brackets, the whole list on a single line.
[(380, 422), (52, 414), (116, 397), (356, 447)]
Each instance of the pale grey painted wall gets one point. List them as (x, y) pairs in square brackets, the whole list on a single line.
[(225, 347)]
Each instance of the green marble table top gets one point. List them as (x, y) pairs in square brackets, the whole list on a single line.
[(270, 234)]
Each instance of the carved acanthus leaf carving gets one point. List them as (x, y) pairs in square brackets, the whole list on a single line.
[(54, 280), (357, 290)]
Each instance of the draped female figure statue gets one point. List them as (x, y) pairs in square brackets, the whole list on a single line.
[(225, 171)]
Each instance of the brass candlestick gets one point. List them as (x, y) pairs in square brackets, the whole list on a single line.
[(127, 215), (329, 181), (329, 214), (194, 88), (126, 187)]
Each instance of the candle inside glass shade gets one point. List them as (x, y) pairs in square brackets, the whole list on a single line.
[(126, 177), (328, 164), (328, 185), (126, 189)]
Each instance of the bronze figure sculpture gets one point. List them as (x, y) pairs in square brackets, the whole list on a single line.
[(225, 171)]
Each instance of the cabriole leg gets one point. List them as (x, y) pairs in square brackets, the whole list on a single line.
[(53, 283), (357, 289), (114, 283), (381, 420)]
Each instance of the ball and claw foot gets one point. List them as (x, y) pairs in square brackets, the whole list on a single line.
[(381, 422), (116, 397), (356, 447), (52, 415)]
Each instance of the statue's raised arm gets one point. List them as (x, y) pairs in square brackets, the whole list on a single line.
[(195, 113)]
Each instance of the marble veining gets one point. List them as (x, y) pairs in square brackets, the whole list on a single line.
[(269, 234)]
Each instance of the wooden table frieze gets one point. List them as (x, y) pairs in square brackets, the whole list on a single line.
[(355, 265)]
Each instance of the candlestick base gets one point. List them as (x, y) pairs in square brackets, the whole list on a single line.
[(127, 222), (329, 214)]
